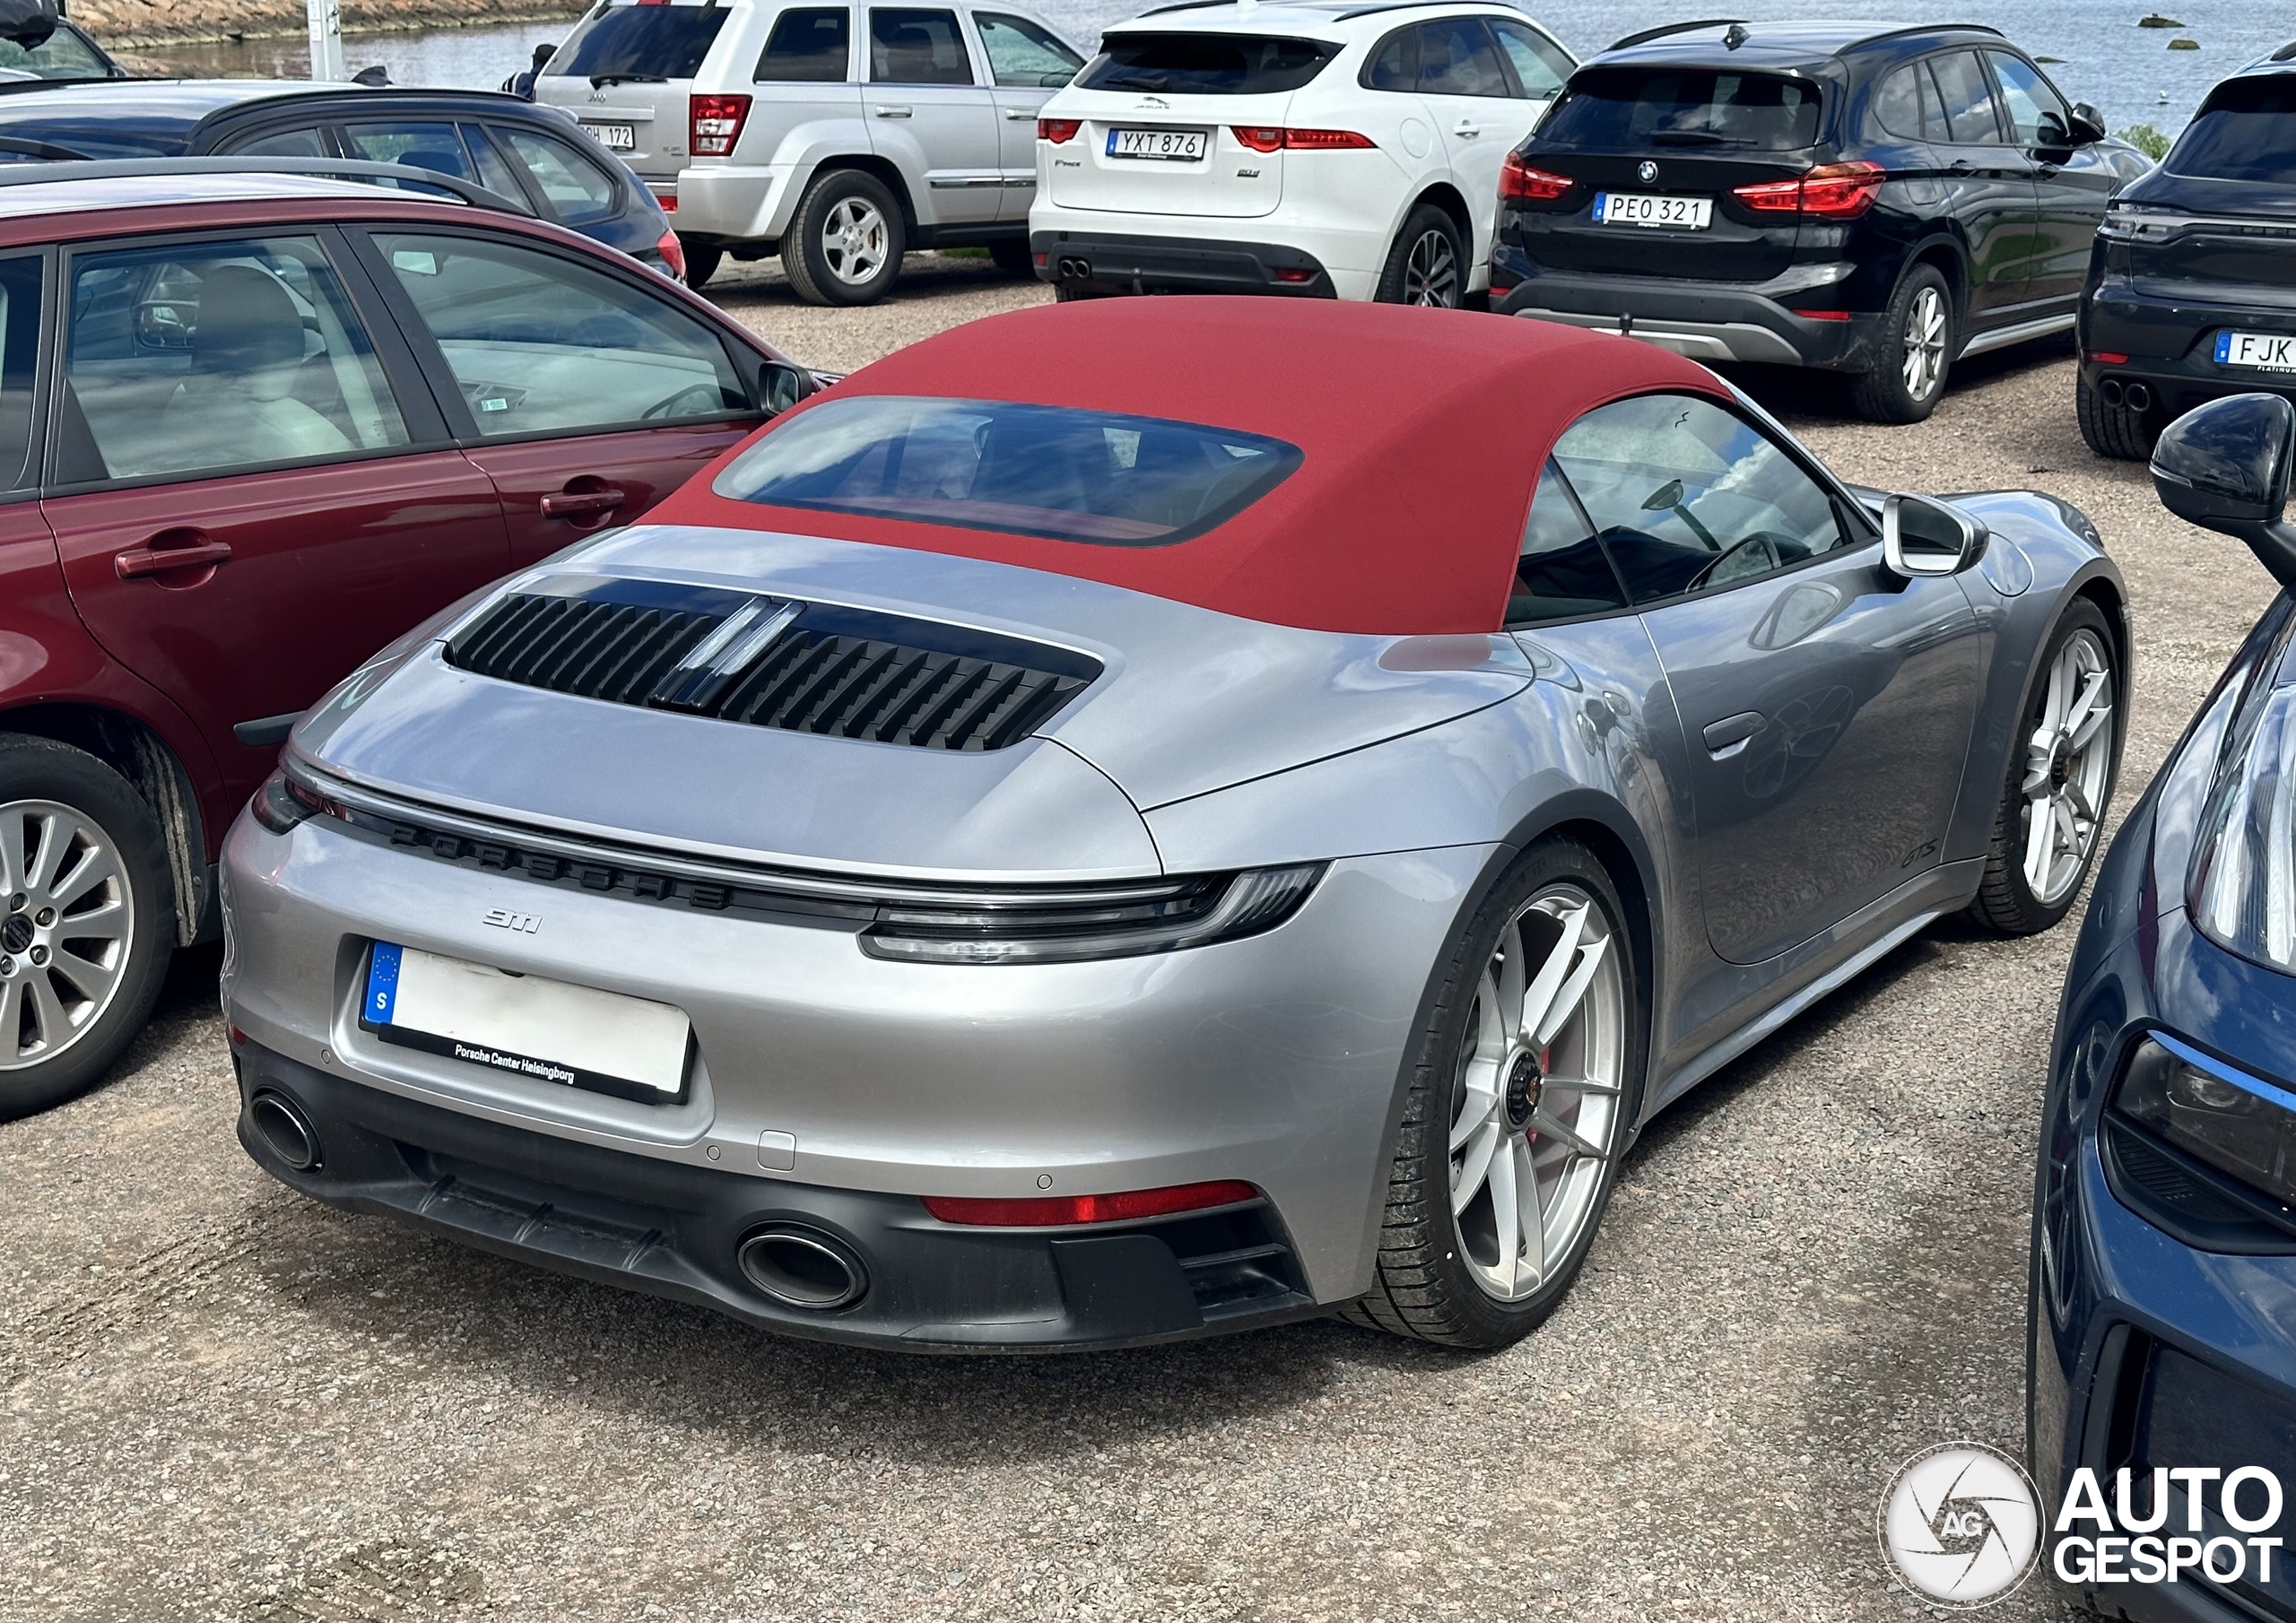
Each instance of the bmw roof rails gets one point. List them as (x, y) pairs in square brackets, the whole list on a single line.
[(2286, 53), (73, 166), (1648, 34), (1673, 28), (1342, 9)]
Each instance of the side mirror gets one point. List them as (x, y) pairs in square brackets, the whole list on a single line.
[(780, 385), (1923, 538), (2088, 124), (2225, 467)]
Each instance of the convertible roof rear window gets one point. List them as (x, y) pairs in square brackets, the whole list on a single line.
[(1059, 472)]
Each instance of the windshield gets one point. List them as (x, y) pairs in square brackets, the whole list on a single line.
[(640, 41), (1026, 470), (1633, 108), (2246, 131), (1204, 65)]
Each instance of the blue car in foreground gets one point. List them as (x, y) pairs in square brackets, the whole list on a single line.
[(2163, 1319)]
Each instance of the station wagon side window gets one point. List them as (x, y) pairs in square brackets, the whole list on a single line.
[(203, 357), (20, 324), (1689, 496), (1456, 57), (1021, 54), (1967, 98), (1394, 63), (917, 48), (1562, 572), (809, 45), (576, 186), (1905, 104), (1540, 64)]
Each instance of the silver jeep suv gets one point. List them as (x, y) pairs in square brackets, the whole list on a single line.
[(838, 136)]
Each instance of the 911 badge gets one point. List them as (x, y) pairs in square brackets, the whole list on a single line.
[(504, 918)]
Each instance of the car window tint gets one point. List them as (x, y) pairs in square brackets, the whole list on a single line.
[(1020, 53), (1394, 63), (1690, 498), (2036, 112), (1562, 571), (1204, 64), (284, 144), (628, 37), (1967, 98), (810, 46), (2246, 131), (433, 146), (494, 172), (202, 357), (1458, 58), (539, 344), (917, 48), (1541, 66), (1637, 107), (20, 323), (577, 187), (1897, 103)]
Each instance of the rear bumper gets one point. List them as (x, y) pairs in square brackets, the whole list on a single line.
[(2172, 347), (1100, 263), (675, 1230), (1704, 321), (727, 204)]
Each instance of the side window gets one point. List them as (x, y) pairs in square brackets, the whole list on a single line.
[(1897, 102), (1022, 54), (917, 48), (1562, 572), (1394, 63), (20, 304), (285, 143), (202, 357), (1967, 99), (540, 344), (1689, 498), (812, 45), (577, 187), (430, 146), (1540, 64), (2036, 113), (494, 172), (1458, 58)]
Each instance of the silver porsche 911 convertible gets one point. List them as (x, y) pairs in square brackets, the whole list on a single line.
[(1139, 819)]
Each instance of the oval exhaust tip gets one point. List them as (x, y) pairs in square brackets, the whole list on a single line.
[(802, 1268), (283, 1126)]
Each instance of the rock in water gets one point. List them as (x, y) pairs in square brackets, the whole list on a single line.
[(2184, 43), (2155, 20)]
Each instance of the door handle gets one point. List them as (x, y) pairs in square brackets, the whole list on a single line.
[(581, 504), (170, 550), (1732, 733), (1020, 115), (1466, 130), (892, 112), (1958, 168)]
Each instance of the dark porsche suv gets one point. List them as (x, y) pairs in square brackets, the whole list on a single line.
[(1874, 202), (2191, 284)]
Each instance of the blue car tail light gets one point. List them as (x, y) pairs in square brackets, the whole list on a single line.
[(2241, 1127), (2244, 876)]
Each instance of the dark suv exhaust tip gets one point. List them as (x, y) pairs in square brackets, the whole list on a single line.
[(1075, 270), (803, 1268), (281, 1124), (2139, 398)]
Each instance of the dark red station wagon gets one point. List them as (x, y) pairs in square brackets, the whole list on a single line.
[(253, 427)]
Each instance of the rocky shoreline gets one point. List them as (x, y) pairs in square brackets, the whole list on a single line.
[(145, 25)]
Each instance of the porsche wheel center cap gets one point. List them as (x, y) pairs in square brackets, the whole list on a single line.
[(1525, 1082)]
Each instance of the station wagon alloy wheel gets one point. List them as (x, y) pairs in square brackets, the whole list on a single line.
[(1535, 1105), (66, 918), (853, 240), (2068, 768)]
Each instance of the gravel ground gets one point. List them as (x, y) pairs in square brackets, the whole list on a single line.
[(224, 1400)]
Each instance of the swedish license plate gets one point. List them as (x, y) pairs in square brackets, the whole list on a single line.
[(2270, 351), (1177, 146), (1641, 208), (525, 1026), (615, 138)]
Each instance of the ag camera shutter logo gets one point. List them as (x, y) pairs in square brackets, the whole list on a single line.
[(1960, 1524)]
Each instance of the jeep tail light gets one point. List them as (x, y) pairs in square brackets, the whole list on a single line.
[(672, 253), (1059, 130), (716, 124), (1058, 1211), (1520, 182), (1272, 138), (1831, 191)]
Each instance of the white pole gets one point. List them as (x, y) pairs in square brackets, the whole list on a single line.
[(327, 39)]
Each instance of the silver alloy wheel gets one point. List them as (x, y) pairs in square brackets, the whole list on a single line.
[(1430, 273), (1925, 343), (1534, 1103), (2068, 760), (68, 917), (854, 240)]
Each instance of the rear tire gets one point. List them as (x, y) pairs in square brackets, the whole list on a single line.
[(845, 245), (1426, 264), (79, 849), (1914, 354), (1012, 257), (700, 263), (2113, 431)]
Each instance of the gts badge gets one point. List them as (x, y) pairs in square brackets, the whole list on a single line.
[(503, 918)]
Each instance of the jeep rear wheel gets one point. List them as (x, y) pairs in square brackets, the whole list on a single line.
[(846, 244)]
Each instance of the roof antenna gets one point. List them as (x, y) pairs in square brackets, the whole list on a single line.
[(1735, 36)]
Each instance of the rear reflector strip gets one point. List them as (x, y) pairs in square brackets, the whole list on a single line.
[(1059, 1211)]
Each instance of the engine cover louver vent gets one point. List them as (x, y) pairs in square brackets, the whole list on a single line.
[(772, 663)]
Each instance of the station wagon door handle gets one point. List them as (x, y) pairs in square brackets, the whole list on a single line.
[(581, 504), (1732, 733), (890, 112), (196, 552)]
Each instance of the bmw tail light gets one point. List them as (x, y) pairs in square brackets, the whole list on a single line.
[(716, 124), (1059, 130), (1056, 1212), (672, 253), (1831, 191), (1272, 138), (1520, 182), (2244, 877)]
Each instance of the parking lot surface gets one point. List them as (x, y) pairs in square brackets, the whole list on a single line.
[(222, 1399)]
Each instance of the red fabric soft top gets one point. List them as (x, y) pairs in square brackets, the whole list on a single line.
[(1423, 434)]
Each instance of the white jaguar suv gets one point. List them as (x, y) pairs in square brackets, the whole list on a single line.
[(1310, 147)]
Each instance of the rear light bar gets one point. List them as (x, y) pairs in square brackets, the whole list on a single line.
[(1060, 1211), (1520, 182), (716, 124), (1831, 191), (672, 253), (2111, 358), (1270, 138), (1059, 130)]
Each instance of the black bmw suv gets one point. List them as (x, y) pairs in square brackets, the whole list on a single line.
[(2192, 284), (1874, 202)]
